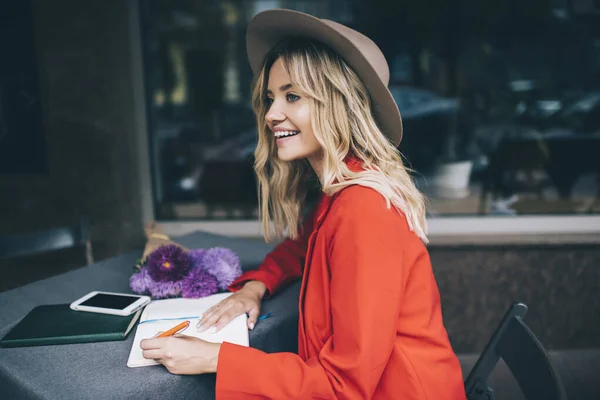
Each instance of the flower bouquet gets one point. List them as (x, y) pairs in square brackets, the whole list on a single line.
[(168, 269)]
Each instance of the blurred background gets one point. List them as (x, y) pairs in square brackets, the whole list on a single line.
[(500, 101), (131, 111)]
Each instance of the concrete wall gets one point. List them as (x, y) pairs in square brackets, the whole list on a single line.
[(560, 285), (85, 69)]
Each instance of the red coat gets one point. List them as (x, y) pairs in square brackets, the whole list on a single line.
[(370, 322)]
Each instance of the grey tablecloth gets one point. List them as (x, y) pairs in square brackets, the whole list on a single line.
[(99, 370)]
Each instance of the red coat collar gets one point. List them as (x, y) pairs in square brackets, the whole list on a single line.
[(355, 164)]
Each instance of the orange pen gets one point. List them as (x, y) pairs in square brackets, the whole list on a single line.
[(175, 329)]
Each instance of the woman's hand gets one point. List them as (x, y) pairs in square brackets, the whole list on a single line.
[(182, 355), (246, 300)]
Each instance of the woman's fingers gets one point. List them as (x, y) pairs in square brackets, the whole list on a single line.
[(152, 343), (154, 354), (253, 317), (237, 304), (226, 318), (212, 310), (209, 320)]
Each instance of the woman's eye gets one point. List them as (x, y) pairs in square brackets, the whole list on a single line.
[(268, 101), (292, 97)]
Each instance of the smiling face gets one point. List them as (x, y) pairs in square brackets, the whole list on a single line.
[(289, 118)]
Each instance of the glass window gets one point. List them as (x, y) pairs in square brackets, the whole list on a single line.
[(22, 142), (500, 101)]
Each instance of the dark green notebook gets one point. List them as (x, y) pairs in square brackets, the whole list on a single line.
[(58, 324)]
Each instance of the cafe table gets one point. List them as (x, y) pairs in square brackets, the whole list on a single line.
[(99, 370)]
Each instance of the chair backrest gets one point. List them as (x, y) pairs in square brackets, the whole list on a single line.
[(48, 240), (524, 355)]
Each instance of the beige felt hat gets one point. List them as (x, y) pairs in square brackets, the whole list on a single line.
[(269, 27)]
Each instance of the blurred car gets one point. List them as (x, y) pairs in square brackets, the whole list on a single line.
[(427, 118), (421, 103)]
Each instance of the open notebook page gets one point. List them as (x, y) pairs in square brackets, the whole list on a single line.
[(162, 315)]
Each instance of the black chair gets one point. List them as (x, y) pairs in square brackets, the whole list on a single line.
[(52, 239), (524, 355)]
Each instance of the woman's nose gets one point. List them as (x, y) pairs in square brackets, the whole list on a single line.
[(274, 115)]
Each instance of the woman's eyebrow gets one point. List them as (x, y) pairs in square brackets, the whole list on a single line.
[(282, 88)]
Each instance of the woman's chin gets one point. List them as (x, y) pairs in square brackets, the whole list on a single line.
[(288, 155)]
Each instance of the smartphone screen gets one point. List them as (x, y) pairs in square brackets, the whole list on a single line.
[(113, 301)]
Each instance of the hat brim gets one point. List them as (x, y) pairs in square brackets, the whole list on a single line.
[(269, 27)]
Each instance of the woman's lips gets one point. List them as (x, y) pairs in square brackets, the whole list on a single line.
[(285, 139)]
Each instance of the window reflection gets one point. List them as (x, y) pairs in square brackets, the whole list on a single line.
[(500, 101)]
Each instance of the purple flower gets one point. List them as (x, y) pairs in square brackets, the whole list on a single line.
[(140, 282), (223, 263), (197, 255), (199, 283), (168, 263), (163, 290)]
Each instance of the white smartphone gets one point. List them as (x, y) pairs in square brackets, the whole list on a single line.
[(110, 303)]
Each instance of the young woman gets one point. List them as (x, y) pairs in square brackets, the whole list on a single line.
[(370, 322)]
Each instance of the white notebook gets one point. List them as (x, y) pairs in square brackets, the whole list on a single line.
[(162, 315)]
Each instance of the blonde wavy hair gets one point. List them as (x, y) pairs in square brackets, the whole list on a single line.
[(343, 124)]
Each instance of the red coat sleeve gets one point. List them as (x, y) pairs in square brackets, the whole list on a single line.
[(282, 265), (367, 286)]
